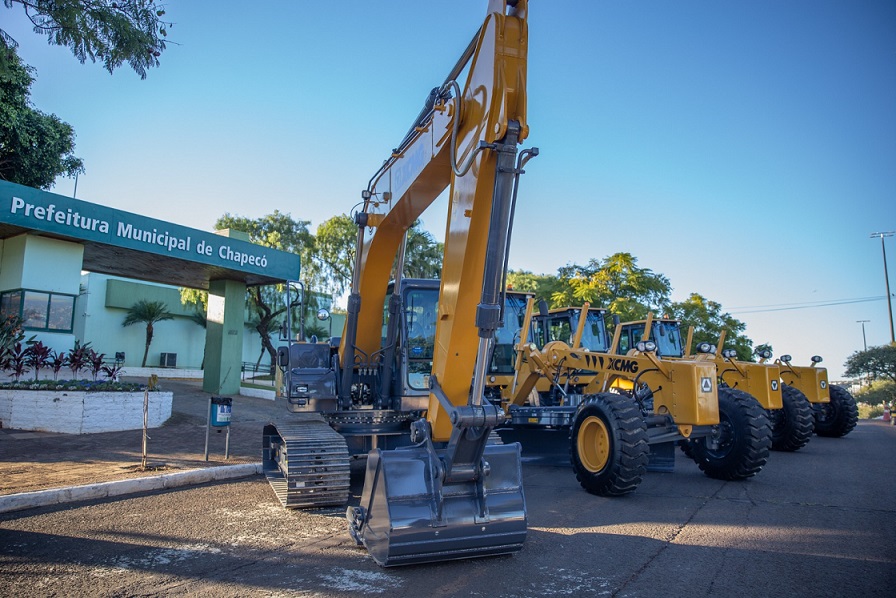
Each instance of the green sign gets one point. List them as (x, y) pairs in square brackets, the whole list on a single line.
[(47, 212)]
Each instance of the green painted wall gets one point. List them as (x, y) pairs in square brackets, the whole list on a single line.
[(122, 294), (41, 264)]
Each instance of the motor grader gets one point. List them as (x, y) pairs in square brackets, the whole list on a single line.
[(834, 410), (788, 408), (622, 412), (435, 488)]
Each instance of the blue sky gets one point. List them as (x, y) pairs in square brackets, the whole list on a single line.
[(746, 150)]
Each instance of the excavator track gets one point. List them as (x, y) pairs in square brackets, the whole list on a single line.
[(306, 462)]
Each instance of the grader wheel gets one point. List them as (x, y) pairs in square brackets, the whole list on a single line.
[(741, 446), (839, 417), (608, 445), (792, 425)]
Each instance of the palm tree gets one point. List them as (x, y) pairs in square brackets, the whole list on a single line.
[(149, 312)]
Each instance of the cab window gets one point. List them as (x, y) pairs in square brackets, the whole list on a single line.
[(667, 337), (420, 309)]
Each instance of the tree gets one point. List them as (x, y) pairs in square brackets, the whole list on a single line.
[(543, 286), (255, 323), (423, 256), (195, 298), (111, 31), (878, 363), (616, 283), (281, 232), (709, 321), (334, 254), (148, 312), (879, 392), (276, 230), (35, 148)]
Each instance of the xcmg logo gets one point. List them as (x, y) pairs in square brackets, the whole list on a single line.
[(626, 366)]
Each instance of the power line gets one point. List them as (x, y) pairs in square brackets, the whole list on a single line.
[(806, 302), (804, 305)]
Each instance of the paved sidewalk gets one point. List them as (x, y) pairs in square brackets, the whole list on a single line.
[(33, 461)]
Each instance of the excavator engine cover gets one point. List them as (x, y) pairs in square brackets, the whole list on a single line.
[(408, 515)]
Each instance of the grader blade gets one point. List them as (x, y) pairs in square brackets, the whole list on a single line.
[(408, 514)]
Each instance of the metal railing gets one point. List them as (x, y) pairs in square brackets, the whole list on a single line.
[(257, 374)]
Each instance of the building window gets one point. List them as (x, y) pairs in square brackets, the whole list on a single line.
[(39, 310)]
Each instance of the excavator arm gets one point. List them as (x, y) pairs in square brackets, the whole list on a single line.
[(465, 139), (452, 495)]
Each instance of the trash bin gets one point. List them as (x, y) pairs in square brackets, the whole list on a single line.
[(221, 407)]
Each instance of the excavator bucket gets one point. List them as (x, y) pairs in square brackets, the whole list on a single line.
[(409, 515)]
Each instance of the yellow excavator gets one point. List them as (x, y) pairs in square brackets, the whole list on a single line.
[(435, 488)]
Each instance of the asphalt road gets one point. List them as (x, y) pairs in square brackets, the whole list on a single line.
[(818, 522)]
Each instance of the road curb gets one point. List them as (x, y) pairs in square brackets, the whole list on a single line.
[(57, 496)]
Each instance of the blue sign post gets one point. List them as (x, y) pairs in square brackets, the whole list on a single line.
[(219, 412)]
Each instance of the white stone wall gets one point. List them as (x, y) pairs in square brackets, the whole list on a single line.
[(144, 373), (258, 393), (77, 412)]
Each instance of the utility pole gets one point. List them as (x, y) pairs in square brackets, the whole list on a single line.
[(864, 340), (887, 279)]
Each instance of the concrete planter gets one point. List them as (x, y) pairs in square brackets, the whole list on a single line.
[(79, 412)]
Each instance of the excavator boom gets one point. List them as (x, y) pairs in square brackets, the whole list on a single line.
[(452, 495)]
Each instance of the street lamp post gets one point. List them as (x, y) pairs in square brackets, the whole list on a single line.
[(887, 279), (864, 340)]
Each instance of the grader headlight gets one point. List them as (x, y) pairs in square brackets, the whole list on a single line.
[(646, 346), (764, 354), (786, 358), (705, 348), (817, 359), (729, 353)]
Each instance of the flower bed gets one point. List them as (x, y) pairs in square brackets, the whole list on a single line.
[(84, 385), (80, 411), (69, 406)]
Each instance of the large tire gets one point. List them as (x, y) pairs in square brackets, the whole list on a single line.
[(839, 417), (792, 425), (744, 439), (608, 444)]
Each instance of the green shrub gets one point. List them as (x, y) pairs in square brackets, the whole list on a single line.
[(867, 411)]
